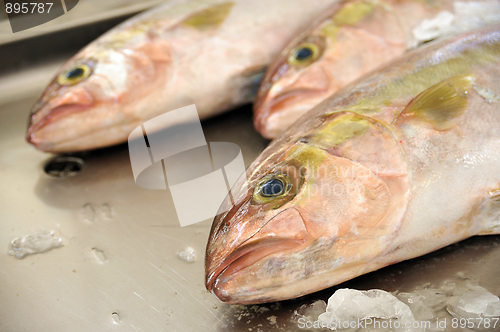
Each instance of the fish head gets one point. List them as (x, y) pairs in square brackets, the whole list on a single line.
[(298, 79), (304, 220), (93, 97), (352, 38)]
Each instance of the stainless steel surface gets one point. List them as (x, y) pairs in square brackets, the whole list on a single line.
[(85, 12), (119, 268)]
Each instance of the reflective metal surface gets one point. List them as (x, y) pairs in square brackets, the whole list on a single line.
[(87, 12), (120, 266)]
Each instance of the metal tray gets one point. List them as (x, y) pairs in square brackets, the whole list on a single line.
[(119, 268)]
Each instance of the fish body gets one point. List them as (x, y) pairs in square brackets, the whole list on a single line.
[(211, 53), (355, 38), (397, 165)]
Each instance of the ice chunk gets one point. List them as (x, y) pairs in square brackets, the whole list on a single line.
[(430, 29), (31, 244), (188, 254), (466, 16), (311, 311), (421, 305), (476, 302), (432, 297), (349, 305), (451, 289), (420, 310)]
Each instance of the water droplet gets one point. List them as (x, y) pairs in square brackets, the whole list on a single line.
[(188, 254), (107, 211), (99, 255), (88, 213), (31, 244), (92, 215), (116, 318)]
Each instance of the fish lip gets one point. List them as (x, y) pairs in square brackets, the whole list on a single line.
[(50, 114), (259, 249), (284, 232), (271, 104)]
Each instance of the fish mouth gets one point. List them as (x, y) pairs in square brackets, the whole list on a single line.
[(287, 97), (283, 233), (291, 102), (36, 124), (244, 257)]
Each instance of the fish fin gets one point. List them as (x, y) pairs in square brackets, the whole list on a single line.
[(354, 12), (492, 221), (246, 84), (349, 14), (440, 104), (363, 140), (209, 18)]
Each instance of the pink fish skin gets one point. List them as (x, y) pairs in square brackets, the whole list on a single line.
[(355, 38), (211, 53), (397, 165)]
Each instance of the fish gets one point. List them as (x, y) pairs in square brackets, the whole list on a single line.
[(397, 165), (356, 37), (211, 53)]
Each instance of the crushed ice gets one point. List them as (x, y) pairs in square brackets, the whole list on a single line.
[(188, 254), (37, 243), (466, 16), (474, 302), (348, 305), (311, 311)]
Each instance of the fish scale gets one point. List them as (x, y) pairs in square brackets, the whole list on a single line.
[(210, 53), (356, 37), (399, 164)]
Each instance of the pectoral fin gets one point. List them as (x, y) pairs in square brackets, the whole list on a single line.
[(441, 104), (209, 18), (492, 215)]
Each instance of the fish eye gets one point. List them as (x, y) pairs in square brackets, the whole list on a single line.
[(272, 187), (304, 54), (74, 75)]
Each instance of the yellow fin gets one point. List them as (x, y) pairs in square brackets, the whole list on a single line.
[(441, 103), (211, 17), (352, 13)]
